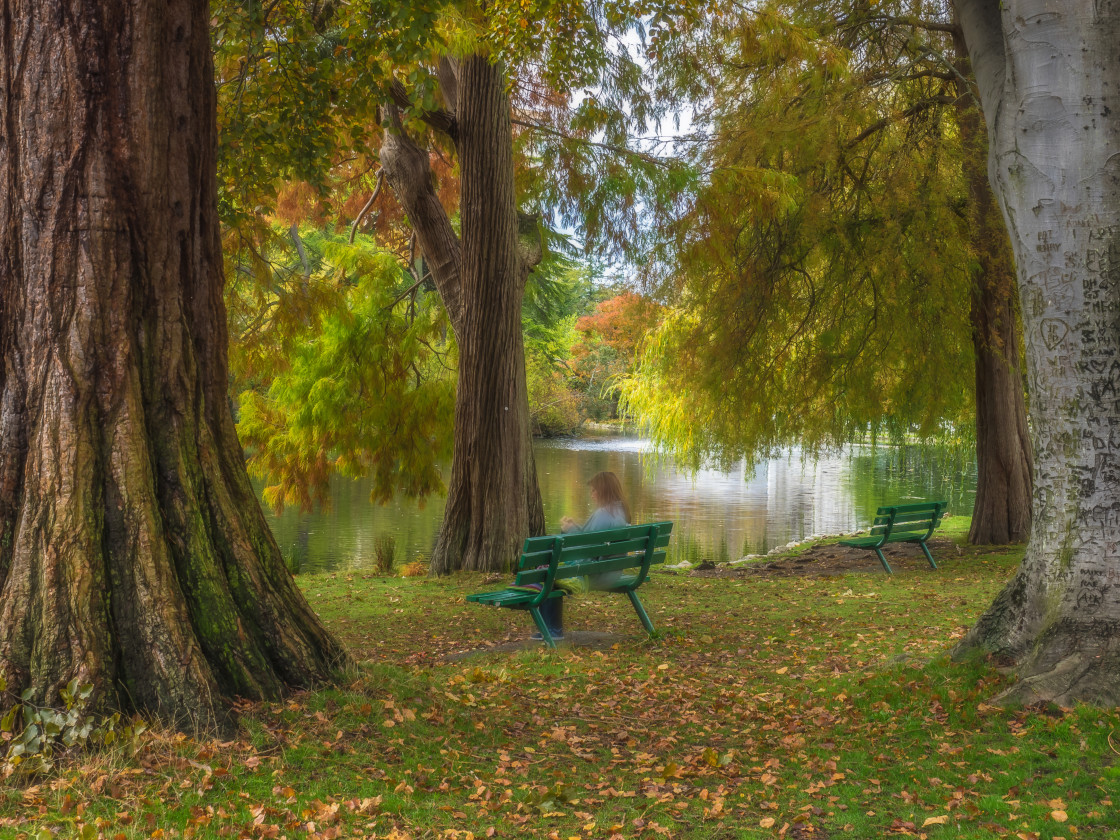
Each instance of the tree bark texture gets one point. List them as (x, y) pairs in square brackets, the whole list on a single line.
[(1001, 513), (133, 552), (1049, 77), (493, 500)]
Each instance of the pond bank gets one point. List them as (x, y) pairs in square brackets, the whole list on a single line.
[(823, 555)]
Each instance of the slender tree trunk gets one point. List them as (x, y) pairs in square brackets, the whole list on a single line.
[(1049, 77), (1004, 463), (133, 552), (493, 500)]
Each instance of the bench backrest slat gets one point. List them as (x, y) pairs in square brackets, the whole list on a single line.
[(903, 518), (594, 552), (535, 544), (917, 506), (601, 548), (907, 521)]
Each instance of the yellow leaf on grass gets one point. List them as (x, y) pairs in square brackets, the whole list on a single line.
[(766, 822), (944, 818), (1059, 816), (782, 670)]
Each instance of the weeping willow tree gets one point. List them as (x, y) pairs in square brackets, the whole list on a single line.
[(841, 270)]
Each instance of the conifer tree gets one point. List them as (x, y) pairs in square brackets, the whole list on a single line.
[(134, 557), (842, 263), (487, 86)]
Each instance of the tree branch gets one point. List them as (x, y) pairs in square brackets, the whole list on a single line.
[(918, 23), (609, 147), (531, 251), (916, 108), (982, 24), (439, 119), (368, 204), (407, 168)]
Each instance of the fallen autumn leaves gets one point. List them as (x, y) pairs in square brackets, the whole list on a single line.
[(769, 707)]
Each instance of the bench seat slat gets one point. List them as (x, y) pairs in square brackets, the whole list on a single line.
[(861, 542), (505, 597), (897, 534)]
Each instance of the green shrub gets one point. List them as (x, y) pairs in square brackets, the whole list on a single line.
[(37, 735)]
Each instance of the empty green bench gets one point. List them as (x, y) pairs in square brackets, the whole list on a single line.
[(625, 553), (902, 523)]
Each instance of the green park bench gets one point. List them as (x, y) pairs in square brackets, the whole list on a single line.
[(626, 553), (902, 523)]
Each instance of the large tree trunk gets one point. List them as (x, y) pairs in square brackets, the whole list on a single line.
[(1004, 475), (1049, 77), (493, 500), (133, 552)]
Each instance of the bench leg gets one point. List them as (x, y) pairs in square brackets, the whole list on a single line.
[(883, 560), (640, 610), (929, 556), (542, 627)]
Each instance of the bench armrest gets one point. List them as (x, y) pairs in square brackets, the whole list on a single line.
[(934, 518), (647, 558), (550, 575)]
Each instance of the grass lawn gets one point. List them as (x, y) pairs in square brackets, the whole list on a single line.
[(802, 708)]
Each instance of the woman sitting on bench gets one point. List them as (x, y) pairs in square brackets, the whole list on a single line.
[(611, 511)]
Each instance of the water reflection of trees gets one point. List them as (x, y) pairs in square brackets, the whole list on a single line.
[(884, 474), (717, 515)]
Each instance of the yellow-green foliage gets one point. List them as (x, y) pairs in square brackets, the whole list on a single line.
[(822, 273), (356, 385), (553, 403)]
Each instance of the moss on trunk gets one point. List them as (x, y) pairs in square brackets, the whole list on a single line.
[(135, 556)]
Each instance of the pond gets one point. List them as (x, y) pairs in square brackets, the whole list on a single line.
[(718, 515)]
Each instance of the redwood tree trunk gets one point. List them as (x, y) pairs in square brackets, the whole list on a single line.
[(1049, 77), (1004, 462), (133, 552), (493, 501)]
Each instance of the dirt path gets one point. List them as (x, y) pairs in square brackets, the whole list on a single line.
[(835, 560)]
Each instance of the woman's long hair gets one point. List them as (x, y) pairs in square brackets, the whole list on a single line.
[(609, 490)]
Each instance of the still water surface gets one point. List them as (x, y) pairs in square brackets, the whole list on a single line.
[(717, 515)]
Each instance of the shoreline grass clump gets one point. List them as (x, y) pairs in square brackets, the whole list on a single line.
[(797, 707), (384, 554)]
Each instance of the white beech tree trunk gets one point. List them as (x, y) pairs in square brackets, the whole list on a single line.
[(1049, 76)]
